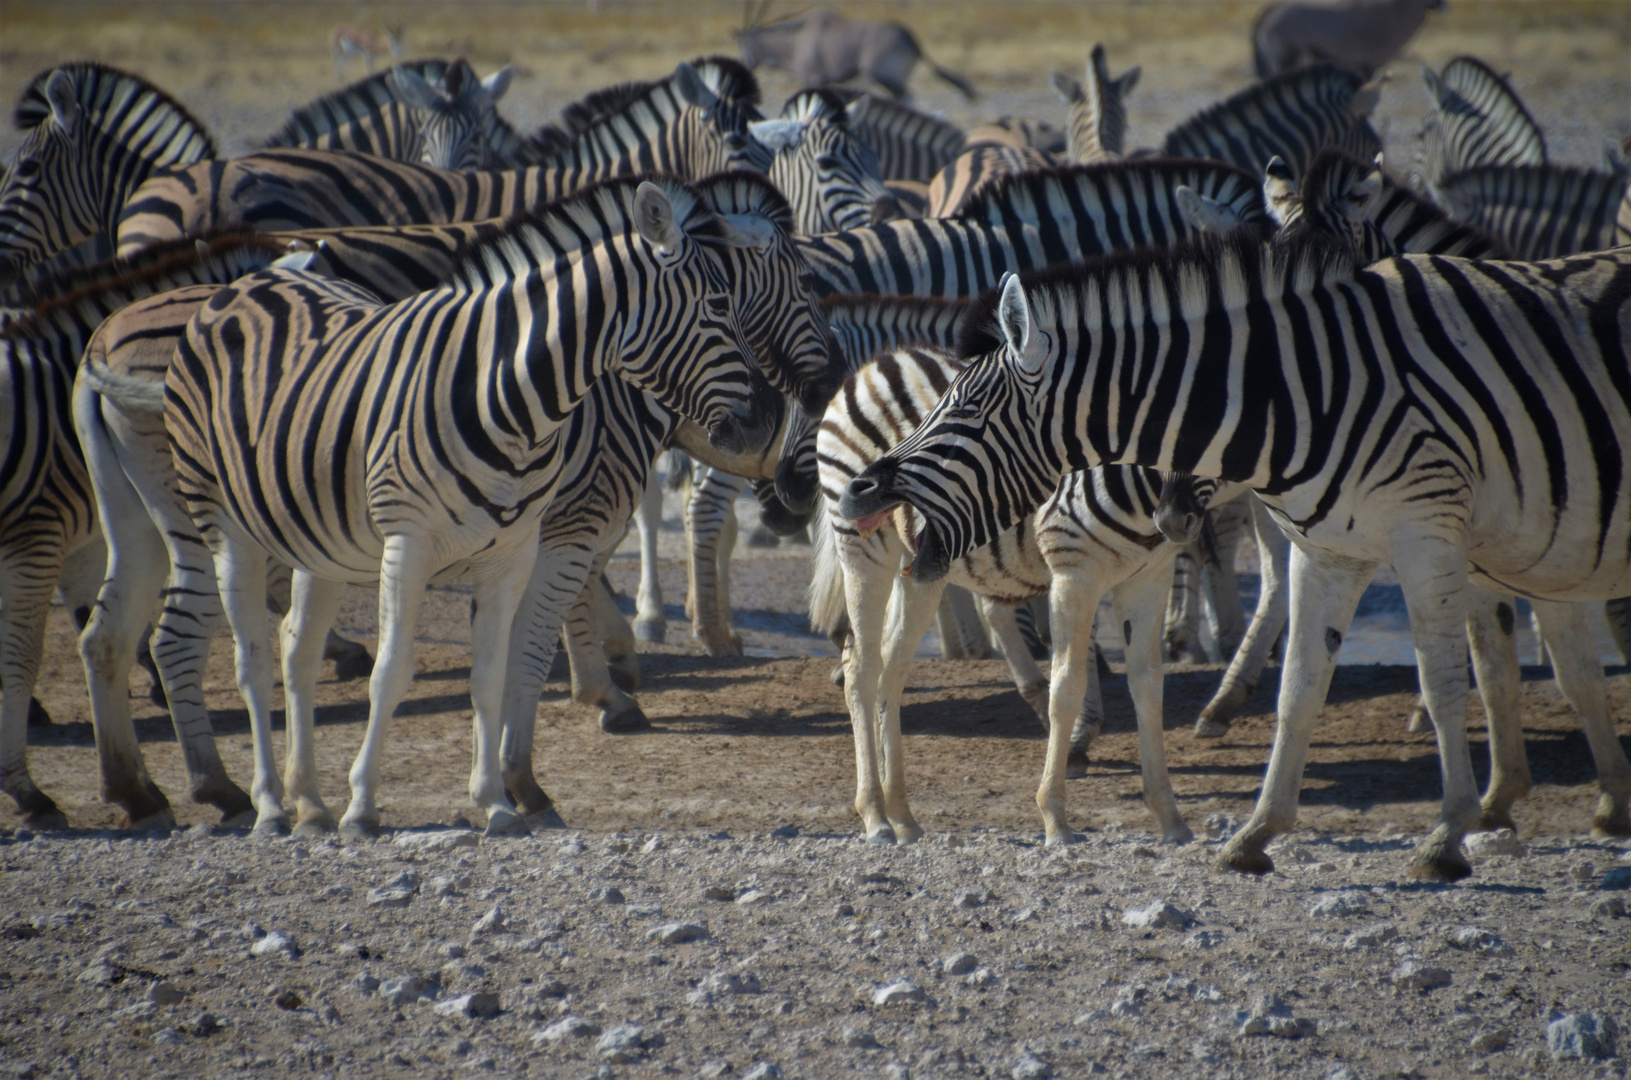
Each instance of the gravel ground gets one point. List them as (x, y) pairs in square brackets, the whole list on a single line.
[(980, 954)]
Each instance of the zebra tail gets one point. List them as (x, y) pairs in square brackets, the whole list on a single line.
[(126, 391), (828, 605), (1619, 623), (679, 471)]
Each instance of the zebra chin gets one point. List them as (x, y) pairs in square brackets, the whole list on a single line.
[(750, 427)]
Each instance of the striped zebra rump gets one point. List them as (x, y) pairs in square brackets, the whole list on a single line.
[(92, 135), (977, 168), (1291, 116), (1541, 211), (1477, 120), (911, 145)]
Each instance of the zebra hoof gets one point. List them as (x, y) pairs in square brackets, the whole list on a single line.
[(1611, 820), (315, 827), (908, 833), (276, 825), (1076, 765), (358, 829), (631, 719), (355, 663), (1421, 721), (883, 836), (506, 823), (159, 819), (547, 818), (1492, 818), (654, 631), (837, 675), (625, 674), (1179, 833), (1442, 866), (48, 820), (1060, 839), (1207, 728), (1241, 859)]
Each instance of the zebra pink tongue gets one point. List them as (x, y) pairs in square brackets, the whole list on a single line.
[(870, 524)]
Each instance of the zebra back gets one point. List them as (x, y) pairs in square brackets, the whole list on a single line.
[(981, 164), (1361, 205), (1292, 116), (1476, 120), (911, 145), (1540, 211), (1098, 109), (93, 134)]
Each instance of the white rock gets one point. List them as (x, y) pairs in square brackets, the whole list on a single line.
[(407, 989), (438, 840), (678, 933), (163, 993), (1340, 905), (723, 984), (1367, 937), (754, 898), (1477, 939), (622, 1044), (1582, 1035), (98, 972), (1158, 915), (475, 1006), (390, 897), (1031, 1068), (980, 977), (274, 943), (1607, 907), (1125, 1008), (1203, 939), (856, 1038), (494, 922), (959, 963), (1482, 845), (970, 899), (566, 1028), (764, 1070), (1489, 1041), (1583, 871), (1417, 975), (898, 993)]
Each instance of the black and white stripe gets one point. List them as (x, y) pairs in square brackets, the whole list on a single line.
[(1098, 111), (1476, 120), (829, 176), (1542, 211), (911, 145)]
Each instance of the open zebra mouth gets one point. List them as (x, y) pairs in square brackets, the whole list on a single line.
[(872, 523), (932, 561)]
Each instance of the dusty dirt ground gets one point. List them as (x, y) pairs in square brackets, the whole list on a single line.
[(746, 746)]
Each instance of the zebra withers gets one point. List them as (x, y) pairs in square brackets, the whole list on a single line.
[(1459, 419), (94, 134), (433, 444)]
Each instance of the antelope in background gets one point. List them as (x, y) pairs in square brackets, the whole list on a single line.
[(348, 43), (822, 48)]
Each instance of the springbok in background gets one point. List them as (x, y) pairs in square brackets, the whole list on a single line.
[(822, 48), (348, 43)]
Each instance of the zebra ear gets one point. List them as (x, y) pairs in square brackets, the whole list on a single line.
[(412, 90), (1014, 317), (654, 218), (1067, 88), (1204, 214), (692, 88), (777, 135), (59, 91), (1129, 79), (497, 84), (857, 109)]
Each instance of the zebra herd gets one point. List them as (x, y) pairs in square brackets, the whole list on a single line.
[(404, 342)]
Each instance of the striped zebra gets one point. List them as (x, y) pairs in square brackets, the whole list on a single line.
[(1542, 211), (1476, 120), (437, 438), (829, 176), (1291, 116), (911, 145), (991, 153), (48, 523), (93, 135), (677, 125), (1462, 420), (778, 318), (429, 111), (1098, 110)]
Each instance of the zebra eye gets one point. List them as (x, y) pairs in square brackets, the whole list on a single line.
[(827, 161), (963, 410), (735, 142)]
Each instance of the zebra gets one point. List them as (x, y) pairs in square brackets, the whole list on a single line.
[(677, 125), (1542, 211), (1098, 110), (778, 318), (93, 135), (451, 444), (429, 111), (911, 145), (1464, 420), (1292, 116), (829, 176), (1476, 120), (991, 152), (48, 524)]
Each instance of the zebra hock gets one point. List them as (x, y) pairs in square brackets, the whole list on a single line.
[(1393, 413)]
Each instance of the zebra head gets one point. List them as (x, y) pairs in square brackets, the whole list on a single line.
[(715, 125), (452, 118), (1337, 197), (91, 135), (830, 176), (982, 458), (1180, 511)]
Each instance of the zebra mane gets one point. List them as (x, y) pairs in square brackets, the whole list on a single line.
[(1210, 272), (218, 257), (859, 309), (1046, 187), (562, 228), (741, 191), (96, 86), (730, 79), (819, 103), (727, 78), (362, 98)]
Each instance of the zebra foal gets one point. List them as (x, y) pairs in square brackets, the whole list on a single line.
[(1466, 421)]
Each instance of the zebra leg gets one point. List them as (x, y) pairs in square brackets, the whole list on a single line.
[(28, 576), (240, 570), (1240, 681), (910, 616), (351, 661), (1090, 717), (1183, 622), (616, 637), (971, 630), (592, 681), (1140, 607), (1073, 598), (313, 607), (134, 573), (534, 631), (406, 571), (1492, 632), (498, 590), (1228, 618), (1618, 613), (1325, 591), (870, 600), (710, 517), (1028, 678), (951, 634), (649, 622), (1580, 677)]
